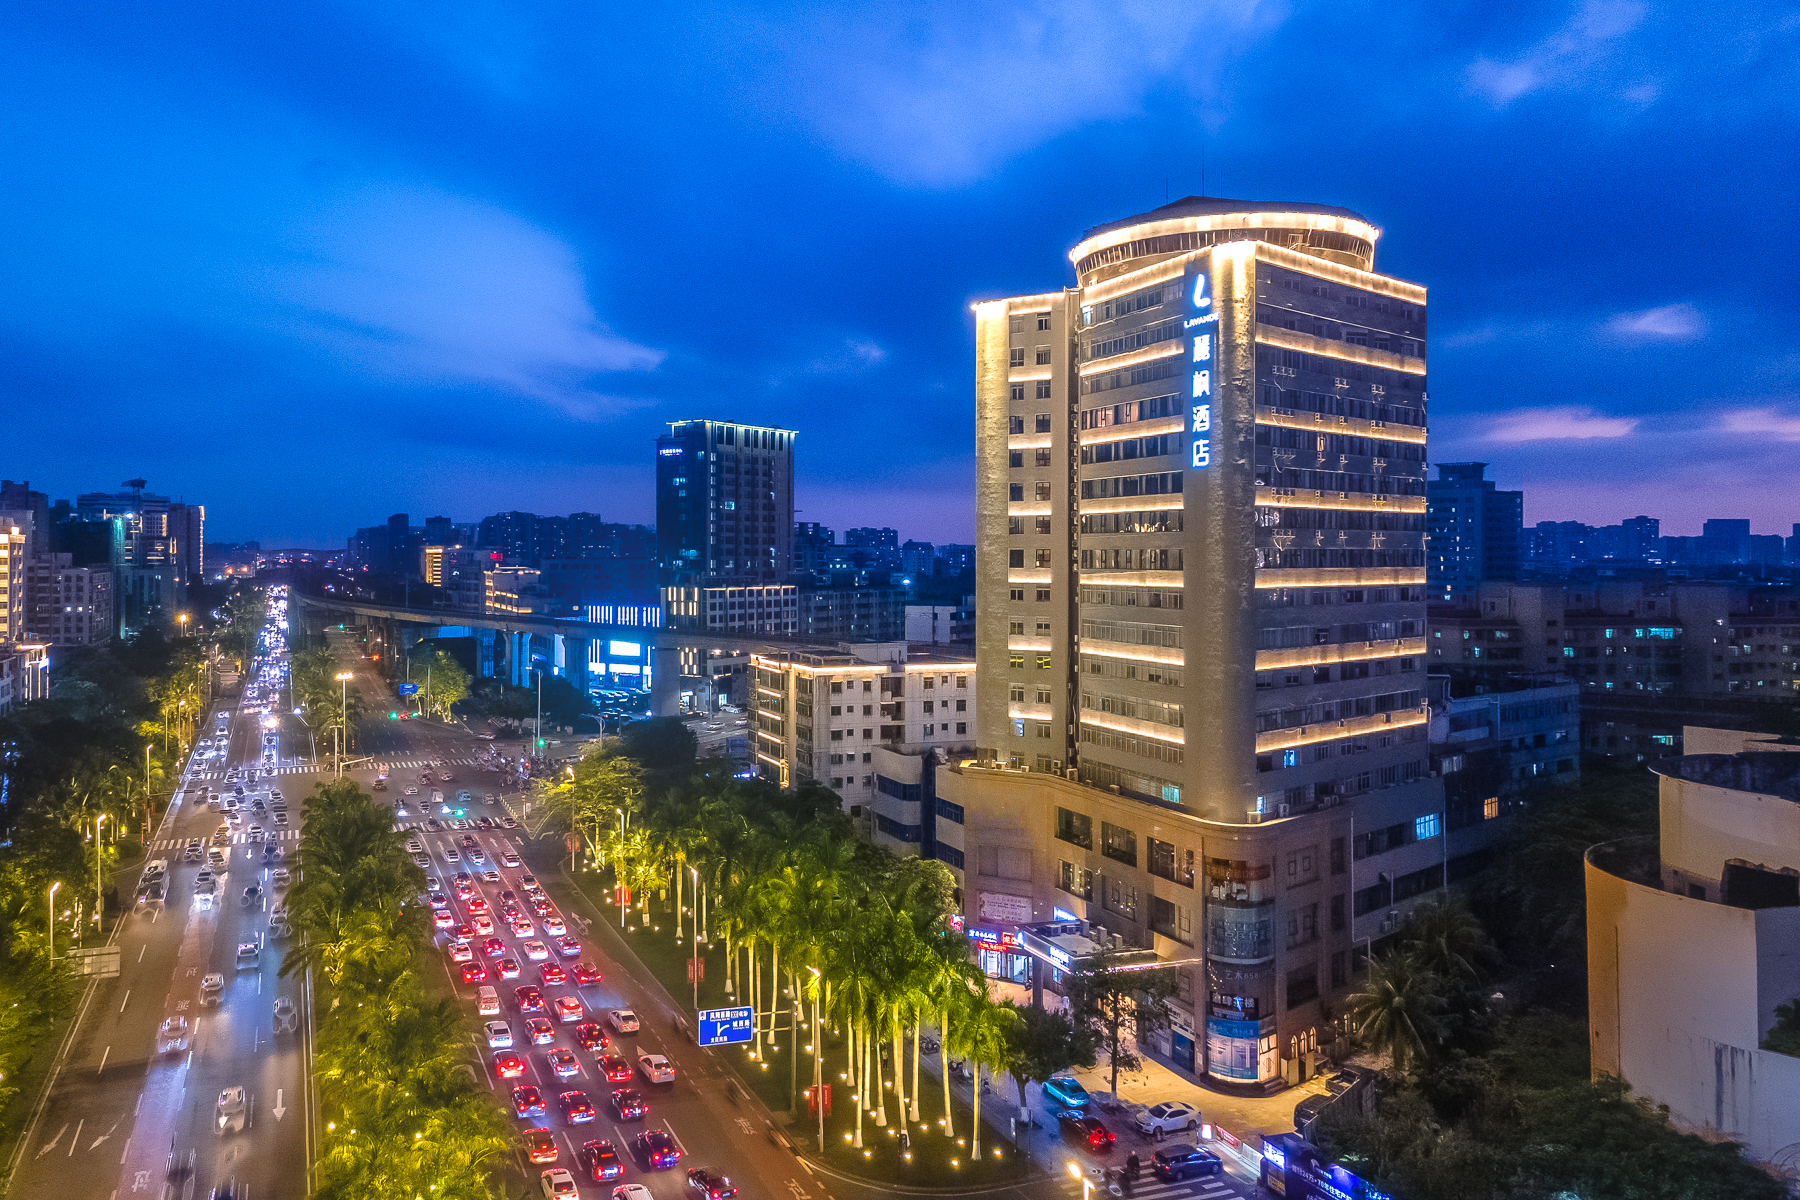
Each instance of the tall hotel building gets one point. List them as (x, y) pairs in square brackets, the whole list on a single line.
[(1201, 620)]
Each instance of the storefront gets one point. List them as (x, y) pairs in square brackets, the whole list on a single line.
[(997, 951)]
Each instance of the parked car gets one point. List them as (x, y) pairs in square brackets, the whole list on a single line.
[(1160, 1120), (1091, 1130), (1066, 1091)]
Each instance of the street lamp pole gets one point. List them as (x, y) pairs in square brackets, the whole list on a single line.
[(818, 1052), (618, 875), (52, 907), (343, 678), (99, 898)]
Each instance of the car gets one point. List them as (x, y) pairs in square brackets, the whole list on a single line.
[(522, 927), (557, 1182), (461, 952), (512, 860), (657, 1148), (415, 846), (656, 1068), (232, 1110), (623, 1020), (627, 1104), (279, 877), (483, 925), (499, 1035), (615, 1067), (709, 1185), (286, 1015), (569, 1009), (587, 973), (600, 1161), (540, 1144), (1178, 1162), (631, 1191), (172, 1038), (477, 905), (431, 823), (553, 925), (535, 951), (530, 998), (212, 988), (490, 877), (590, 1036), (563, 1063), (553, 973), (468, 839), (510, 910), (1170, 1116), (249, 954), (528, 881), (254, 833), (509, 1065), (540, 904), (411, 791), (151, 894), (527, 1101), (1066, 1091), (474, 972), (443, 918), (541, 1031), (420, 861), (493, 948), (438, 900), (508, 968), (1088, 1129), (568, 947), (576, 1109)]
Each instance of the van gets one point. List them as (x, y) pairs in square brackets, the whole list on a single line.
[(487, 1001)]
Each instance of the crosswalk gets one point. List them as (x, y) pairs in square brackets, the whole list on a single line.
[(213, 773), (1149, 1187), (237, 839)]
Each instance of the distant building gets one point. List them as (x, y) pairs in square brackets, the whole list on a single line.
[(24, 673), (918, 558), (772, 608), (1473, 532), (1496, 739), (1692, 944), (815, 548), (14, 589), (940, 624), (724, 510), (873, 548), (69, 605), (957, 559), (514, 590), (832, 614), (162, 548), (400, 560)]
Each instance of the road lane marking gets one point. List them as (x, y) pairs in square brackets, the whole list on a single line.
[(103, 1057), (123, 1152), (141, 950), (50, 1145), (104, 1136), (126, 1000), (74, 1141)]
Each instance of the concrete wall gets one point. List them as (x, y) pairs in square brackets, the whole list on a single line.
[(1679, 996), (1698, 739), (1703, 826)]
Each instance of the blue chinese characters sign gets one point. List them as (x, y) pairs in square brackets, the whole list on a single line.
[(1202, 323), (407, 689), (724, 1026)]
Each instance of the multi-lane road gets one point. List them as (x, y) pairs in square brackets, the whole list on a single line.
[(122, 1120)]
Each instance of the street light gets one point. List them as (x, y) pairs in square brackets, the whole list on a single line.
[(99, 899), (343, 678), (819, 1060), (52, 907), (1087, 1185)]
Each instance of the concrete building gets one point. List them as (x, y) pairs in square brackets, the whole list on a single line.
[(15, 589), (69, 605), (1201, 557), (821, 713), (513, 590), (940, 624), (162, 549), (772, 608), (918, 558), (1474, 532), (957, 558), (873, 612), (24, 673), (1693, 943), (724, 511), (1496, 742)]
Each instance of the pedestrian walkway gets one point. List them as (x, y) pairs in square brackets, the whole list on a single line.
[(313, 768), (1149, 1187), (237, 839)]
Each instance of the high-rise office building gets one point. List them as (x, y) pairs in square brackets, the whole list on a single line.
[(724, 510), (1200, 580), (162, 549), (1474, 532)]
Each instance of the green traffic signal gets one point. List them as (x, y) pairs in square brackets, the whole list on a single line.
[(540, 741), (393, 716)]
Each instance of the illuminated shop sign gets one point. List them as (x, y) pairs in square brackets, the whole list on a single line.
[(670, 452), (1203, 373), (995, 938)]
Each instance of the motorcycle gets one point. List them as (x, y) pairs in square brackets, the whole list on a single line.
[(928, 1045)]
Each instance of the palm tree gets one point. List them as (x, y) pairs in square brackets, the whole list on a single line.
[(951, 982), (982, 1038), (1448, 940), (1395, 1009)]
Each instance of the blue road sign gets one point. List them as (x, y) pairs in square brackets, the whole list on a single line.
[(724, 1026), (408, 689)]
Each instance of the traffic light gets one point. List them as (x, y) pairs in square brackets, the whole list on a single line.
[(393, 716), (540, 741)]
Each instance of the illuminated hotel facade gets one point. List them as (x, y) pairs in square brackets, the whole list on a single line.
[(1201, 609)]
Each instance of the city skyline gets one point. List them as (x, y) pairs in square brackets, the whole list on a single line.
[(429, 253)]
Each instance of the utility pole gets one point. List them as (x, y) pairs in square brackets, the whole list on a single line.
[(52, 907), (537, 750)]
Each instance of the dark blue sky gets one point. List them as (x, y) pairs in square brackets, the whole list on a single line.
[(311, 264)]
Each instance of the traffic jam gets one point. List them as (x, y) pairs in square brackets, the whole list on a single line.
[(562, 1060)]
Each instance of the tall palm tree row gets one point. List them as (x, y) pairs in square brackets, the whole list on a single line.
[(810, 914), (401, 1117)]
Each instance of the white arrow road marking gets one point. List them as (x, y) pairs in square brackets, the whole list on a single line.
[(50, 1145), (278, 1110), (103, 1136)]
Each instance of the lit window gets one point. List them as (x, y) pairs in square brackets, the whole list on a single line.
[(1490, 808), (1425, 827)]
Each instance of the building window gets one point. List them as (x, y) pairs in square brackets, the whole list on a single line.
[(1017, 357), (1425, 827), (1337, 856), (1042, 489), (1302, 866), (1119, 843), (1075, 828), (1120, 897), (1043, 356), (1490, 808), (1043, 662), (1016, 661), (1043, 391), (1077, 881), (1171, 920), (1302, 985)]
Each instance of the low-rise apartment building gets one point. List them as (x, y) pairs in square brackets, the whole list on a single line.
[(69, 605), (1495, 741)]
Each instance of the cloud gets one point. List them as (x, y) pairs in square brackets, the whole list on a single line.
[(1563, 423), (1667, 323), (427, 286), (856, 354), (937, 95), (1765, 422), (1562, 58)]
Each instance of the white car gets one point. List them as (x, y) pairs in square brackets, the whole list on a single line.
[(212, 988), (631, 1191), (172, 1038), (536, 951), (554, 926), (623, 1020), (558, 1182), (1170, 1116), (499, 1035), (231, 1111), (279, 877), (656, 1068), (249, 956)]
